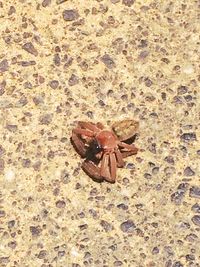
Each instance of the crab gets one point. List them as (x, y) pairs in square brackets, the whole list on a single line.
[(104, 149)]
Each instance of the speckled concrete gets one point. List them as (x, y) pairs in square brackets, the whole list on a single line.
[(62, 61)]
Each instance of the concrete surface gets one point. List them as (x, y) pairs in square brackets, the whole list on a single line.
[(63, 61)]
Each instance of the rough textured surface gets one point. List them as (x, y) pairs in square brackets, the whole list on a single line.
[(62, 61)]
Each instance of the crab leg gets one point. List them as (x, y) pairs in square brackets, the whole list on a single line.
[(78, 145), (89, 126), (99, 155), (119, 157), (105, 172), (129, 147), (100, 125), (113, 167), (126, 154), (92, 170), (83, 132)]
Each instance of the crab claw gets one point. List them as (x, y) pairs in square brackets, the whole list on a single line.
[(79, 145)]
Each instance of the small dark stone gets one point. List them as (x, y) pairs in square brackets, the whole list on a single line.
[(177, 264), (12, 244), (196, 220), (45, 119), (2, 213), (188, 98), (11, 224), (2, 151), (11, 11), (177, 100), (108, 61), (4, 260), (61, 253), (168, 263), (177, 197), (188, 137), (155, 250), (11, 127), (169, 159), (106, 226), (147, 176), (183, 187), (60, 204), (54, 84), (38, 100), (128, 3), (117, 263), (26, 163), (143, 43), (101, 103), (143, 54), (28, 85), (122, 206), (130, 166), (56, 192), (42, 254), (2, 87), (4, 65), (83, 226), (2, 164), (73, 80), (148, 82), (128, 226), (29, 47), (90, 114), (22, 101), (195, 191), (196, 208), (35, 230), (165, 60), (191, 238), (57, 60), (50, 155), (188, 172), (182, 90), (46, 3), (70, 15), (60, 2), (28, 63), (190, 257)]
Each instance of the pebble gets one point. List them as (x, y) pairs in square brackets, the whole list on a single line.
[(108, 61), (188, 172), (128, 3), (196, 220), (4, 65), (70, 15), (196, 208), (188, 137), (128, 226), (195, 192), (29, 47)]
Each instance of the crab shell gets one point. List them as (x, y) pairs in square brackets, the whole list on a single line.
[(125, 129)]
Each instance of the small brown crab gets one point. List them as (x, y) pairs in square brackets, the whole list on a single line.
[(104, 149)]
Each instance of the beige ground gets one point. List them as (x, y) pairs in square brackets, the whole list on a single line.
[(63, 61)]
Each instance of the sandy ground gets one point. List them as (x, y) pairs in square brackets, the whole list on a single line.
[(63, 61)]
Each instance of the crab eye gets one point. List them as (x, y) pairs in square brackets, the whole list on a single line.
[(96, 147)]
